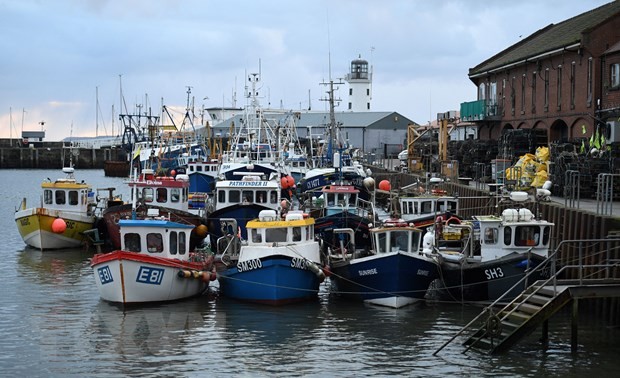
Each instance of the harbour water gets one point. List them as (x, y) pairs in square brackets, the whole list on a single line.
[(53, 324)]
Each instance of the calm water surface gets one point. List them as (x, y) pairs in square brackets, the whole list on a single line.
[(52, 323)]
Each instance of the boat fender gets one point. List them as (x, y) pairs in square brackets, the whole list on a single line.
[(315, 269), (453, 220)]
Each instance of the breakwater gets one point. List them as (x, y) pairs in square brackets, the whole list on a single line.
[(54, 155)]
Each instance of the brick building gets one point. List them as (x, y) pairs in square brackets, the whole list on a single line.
[(564, 78)]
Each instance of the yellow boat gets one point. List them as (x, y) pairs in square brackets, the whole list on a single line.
[(67, 210)]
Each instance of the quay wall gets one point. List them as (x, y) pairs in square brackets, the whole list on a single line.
[(54, 155)]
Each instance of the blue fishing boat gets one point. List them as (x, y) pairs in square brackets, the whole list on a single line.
[(393, 272), (280, 262)]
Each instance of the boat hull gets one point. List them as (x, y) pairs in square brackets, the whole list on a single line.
[(393, 279), (133, 278), (35, 227), (487, 281), (274, 280)]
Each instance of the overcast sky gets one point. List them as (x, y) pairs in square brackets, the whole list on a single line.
[(57, 54)]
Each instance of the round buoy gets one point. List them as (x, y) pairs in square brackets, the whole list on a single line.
[(385, 185), (59, 226), (284, 182), (284, 204), (173, 173), (201, 230), (290, 181), (369, 183)]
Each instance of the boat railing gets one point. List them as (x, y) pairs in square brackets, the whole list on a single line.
[(552, 280)]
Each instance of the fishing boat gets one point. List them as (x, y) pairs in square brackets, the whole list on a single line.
[(280, 263), (242, 199), (153, 264), (393, 272), (67, 210), (167, 194), (340, 206), (482, 258)]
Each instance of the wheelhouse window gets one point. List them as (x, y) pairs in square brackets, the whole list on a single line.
[(182, 243), (248, 196), (147, 194), (527, 236), (261, 196), (275, 235), (48, 199), (73, 197), (296, 234), (162, 195), (154, 242), (132, 242), (234, 196), (173, 244), (507, 235), (60, 197), (175, 195), (490, 235), (256, 236)]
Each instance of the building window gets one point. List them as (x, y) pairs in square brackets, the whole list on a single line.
[(350, 106), (546, 89), (367, 91), (368, 105), (534, 92), (589, 98), (523, 94), (614, 75), (513, 96), (482, 91), (350, 91), (503, 96), (559, 87), (572, 85)]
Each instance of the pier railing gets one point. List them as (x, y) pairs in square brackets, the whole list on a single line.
[(585, 272)]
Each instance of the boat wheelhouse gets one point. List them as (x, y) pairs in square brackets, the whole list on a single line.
[(169, 195)]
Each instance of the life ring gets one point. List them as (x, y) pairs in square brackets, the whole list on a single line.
[(494, 326), (453, 220)]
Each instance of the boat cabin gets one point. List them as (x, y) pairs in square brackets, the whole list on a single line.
[(515, 230), (68, 195), (412, 208), (251, 189), (270, 229), (400, 238), (157, 237), (170, 192), (340, 198)]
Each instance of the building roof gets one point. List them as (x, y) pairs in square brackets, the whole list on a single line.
[(320, 119), (549, 39)]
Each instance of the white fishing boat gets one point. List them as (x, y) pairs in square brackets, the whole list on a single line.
[(482, 258), (154, 263)]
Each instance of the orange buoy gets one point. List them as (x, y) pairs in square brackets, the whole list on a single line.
[(290, 181), (385, 185), (284, 182), (59, 225), (202, 230), (173, 173)]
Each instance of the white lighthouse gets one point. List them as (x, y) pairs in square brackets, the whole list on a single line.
[(360, 86)]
